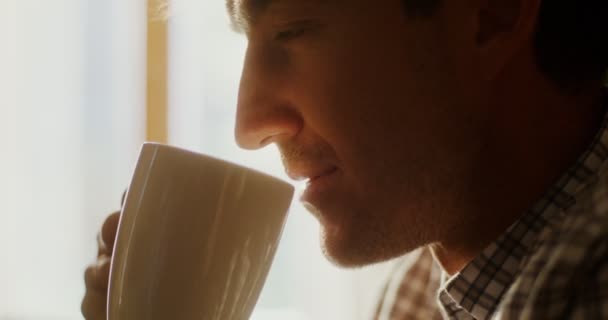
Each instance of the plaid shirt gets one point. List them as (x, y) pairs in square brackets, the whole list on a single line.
[(552, 263)]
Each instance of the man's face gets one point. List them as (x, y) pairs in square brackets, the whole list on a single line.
[(381, 111)]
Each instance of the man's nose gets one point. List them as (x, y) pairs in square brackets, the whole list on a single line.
[(265, 113)]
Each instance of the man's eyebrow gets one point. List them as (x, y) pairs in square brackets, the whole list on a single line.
[(243, 13)]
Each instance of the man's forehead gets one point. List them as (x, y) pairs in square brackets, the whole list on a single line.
[(243, 13), (246, 6)]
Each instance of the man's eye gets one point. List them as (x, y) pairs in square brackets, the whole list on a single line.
[(289, 34)]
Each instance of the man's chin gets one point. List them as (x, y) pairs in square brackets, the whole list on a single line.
[(348, 248), (345, 252)]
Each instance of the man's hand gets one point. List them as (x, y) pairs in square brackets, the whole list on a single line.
[(97, 275)]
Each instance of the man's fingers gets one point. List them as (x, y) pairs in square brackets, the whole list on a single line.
[(97, 276), (94, 305), (102, 249), (103, 272), (108, 231)]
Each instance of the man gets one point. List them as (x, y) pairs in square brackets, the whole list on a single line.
[(469, 133)]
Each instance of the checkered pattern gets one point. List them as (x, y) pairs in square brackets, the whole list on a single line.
[(411, 293), (552, 263)]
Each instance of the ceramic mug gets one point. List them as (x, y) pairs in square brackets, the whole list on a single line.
[(196, 238)]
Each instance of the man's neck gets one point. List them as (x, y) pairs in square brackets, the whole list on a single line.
[(540, 132)]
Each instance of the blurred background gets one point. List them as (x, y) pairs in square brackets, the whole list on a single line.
[(82, 84)]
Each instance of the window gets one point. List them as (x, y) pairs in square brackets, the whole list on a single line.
[(71, 122)]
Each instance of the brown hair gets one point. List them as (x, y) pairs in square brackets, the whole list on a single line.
[(571, 39)]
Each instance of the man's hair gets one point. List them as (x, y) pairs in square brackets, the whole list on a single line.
[(417, 8), (571, 39)]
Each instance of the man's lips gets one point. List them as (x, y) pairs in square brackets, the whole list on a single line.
[(309, 173), (324, 174), (320, 187)]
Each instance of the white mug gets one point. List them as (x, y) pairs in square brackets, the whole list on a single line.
[(196, 238)]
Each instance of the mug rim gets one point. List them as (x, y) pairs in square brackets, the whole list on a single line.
[(158, 145)]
